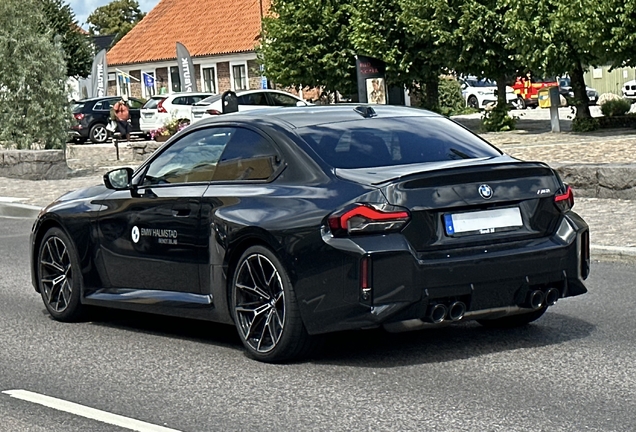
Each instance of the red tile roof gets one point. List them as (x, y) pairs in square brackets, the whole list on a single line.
[(205, 27)]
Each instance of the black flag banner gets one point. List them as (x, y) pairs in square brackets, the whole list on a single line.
[(99, 75), (186, 69)]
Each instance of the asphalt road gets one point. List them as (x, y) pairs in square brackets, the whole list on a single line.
[(573, 370)]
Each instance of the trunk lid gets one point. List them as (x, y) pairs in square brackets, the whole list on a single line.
[(469, 202)]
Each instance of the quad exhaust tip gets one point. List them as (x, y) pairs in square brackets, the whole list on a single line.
[(436, 313), (456, 311), (551, 296), (536, 299)]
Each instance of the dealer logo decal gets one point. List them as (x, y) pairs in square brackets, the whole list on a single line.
[(135, 234)]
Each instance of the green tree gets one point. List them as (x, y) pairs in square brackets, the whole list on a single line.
[(389, 31), (305, 42), (555, 37), (78, 48), (116, 18), (33, 105), (478, 40)]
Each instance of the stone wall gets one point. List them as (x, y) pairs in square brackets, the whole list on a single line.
[(600, 180), (141, 151), (33, 164)]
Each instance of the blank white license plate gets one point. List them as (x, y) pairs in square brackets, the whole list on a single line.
[(482, 222)]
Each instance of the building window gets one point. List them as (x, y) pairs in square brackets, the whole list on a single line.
[(175, 79), (148, 84), (123, 83), (209, 79), (239, 76)]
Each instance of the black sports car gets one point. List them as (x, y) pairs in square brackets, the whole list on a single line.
[(295, 222)]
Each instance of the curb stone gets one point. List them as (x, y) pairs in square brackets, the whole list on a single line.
[(16, 210)]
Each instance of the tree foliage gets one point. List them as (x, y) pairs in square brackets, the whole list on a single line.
[(77, 46), (305, 42), (559, 38), (116, 18), (33, 105), (388, 30)]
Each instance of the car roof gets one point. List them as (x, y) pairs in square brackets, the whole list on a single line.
[(314, 115), (216, 97)]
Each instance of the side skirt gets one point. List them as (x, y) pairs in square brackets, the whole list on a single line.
[(173, 303)]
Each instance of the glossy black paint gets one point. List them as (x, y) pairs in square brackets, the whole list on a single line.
[(216, 221)]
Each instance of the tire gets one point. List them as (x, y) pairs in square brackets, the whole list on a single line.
[(59, 277), (98, 133), (521, 103), (473, 102), (513, 320), (265, 310)]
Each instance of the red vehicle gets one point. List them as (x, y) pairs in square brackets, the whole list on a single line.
[(527, 89)]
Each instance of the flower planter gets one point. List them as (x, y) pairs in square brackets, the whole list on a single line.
[(162, 138)]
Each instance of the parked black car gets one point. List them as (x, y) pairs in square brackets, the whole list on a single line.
[(294, 222), (92, 116)]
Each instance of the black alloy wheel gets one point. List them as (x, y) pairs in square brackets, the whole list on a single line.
[(513, 320), (58, 276), (264, 308), (98, 133), (473, 102)]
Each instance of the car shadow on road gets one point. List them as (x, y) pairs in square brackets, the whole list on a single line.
[(173, 327), (380, 349), (371, 348)]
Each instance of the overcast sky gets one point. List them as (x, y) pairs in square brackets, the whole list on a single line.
[(83, 8)]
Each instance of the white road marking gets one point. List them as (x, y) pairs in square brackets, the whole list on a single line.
[(84, 411)]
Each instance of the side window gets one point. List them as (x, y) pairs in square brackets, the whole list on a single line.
[(247, 156), (253, 99), (179, 101), (191, 159), (282, 100), (134, 104), (98, 106)]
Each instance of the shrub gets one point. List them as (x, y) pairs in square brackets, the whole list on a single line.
[(616, 107), (498, 120), (451, 100), (586, 124), (607, 97)]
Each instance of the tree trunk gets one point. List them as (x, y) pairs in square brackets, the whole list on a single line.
[(432, 93), (501, 91), (582, 102)]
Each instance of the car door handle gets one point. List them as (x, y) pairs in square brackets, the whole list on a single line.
[(181, 212)]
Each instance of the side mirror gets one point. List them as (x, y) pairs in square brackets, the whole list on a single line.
[(118, 179), (463, 86)]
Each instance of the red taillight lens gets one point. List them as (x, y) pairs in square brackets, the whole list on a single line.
[(364, 218), (160, 107), (78, 116), (565, 201), (213, 112), (365, 279)]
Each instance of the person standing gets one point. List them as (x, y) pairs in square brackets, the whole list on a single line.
[(122, 113)]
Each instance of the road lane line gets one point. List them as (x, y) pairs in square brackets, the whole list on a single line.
[(84, 411)]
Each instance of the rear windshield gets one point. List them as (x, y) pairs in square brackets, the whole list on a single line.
[(152, 103), (394, 141), (77, 107)]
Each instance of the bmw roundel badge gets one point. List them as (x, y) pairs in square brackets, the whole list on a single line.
[(485, 191)]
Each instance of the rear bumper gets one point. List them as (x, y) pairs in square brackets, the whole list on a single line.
[(405, 283)]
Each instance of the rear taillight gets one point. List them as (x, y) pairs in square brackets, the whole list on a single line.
[(213, 112), (78, 116), (365, 280), (368, 219), (160, 107), (565, 201)]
